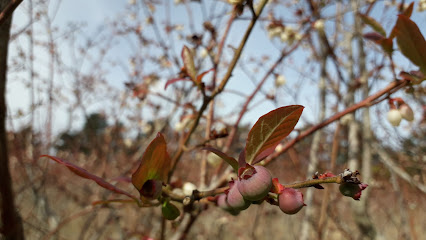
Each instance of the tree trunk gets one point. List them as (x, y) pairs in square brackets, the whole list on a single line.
[(313, 155), (361, 216), (11, 223)]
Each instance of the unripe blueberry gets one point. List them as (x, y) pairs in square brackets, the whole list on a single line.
[(255, 183), (406, 112), (290, 201), (235, 199), (222, 203), (394, 117)]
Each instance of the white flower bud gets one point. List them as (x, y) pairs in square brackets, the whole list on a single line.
[(279, 148), (204, 53), (188, 187), (319, 25), (280, 80), (394, 117), (406, 112)]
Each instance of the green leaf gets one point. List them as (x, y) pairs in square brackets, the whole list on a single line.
[(188, 63), (230, 160), (269, 130), (373, 24), (169, 211), (155, 163), (411, 41)]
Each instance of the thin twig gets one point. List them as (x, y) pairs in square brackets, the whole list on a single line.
[(364, 103)]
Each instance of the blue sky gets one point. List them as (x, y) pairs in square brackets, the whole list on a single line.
[(95, 14)]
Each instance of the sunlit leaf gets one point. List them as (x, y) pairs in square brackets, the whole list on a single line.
[(269, 130), (409, 10), (411, 41), (373, 24), (85, 174), (155, 163), (230, 160), (188, 63)]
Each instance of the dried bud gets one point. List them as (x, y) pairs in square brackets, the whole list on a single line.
[(352, 190), (290, 201), (406, 112), (255, 182), (394, 117)]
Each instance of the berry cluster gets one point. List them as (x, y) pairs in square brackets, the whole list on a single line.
[(253, 186)]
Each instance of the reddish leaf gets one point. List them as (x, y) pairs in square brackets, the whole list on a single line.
[(200, 77), (85, 174), (373, 36), (269, 130), (411, 41), (155, 163), (175, 80), (188, 63), (230, 160), (242, 159), (409, 10), (276, 186), (387, 45), (373, 24)]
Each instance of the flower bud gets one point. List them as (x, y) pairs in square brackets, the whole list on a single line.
[(235, 199), (151, 189), (319, 25), (394, 117), (188, 187), (280, 81), (406, 112), (255, 182), (290, 201)]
